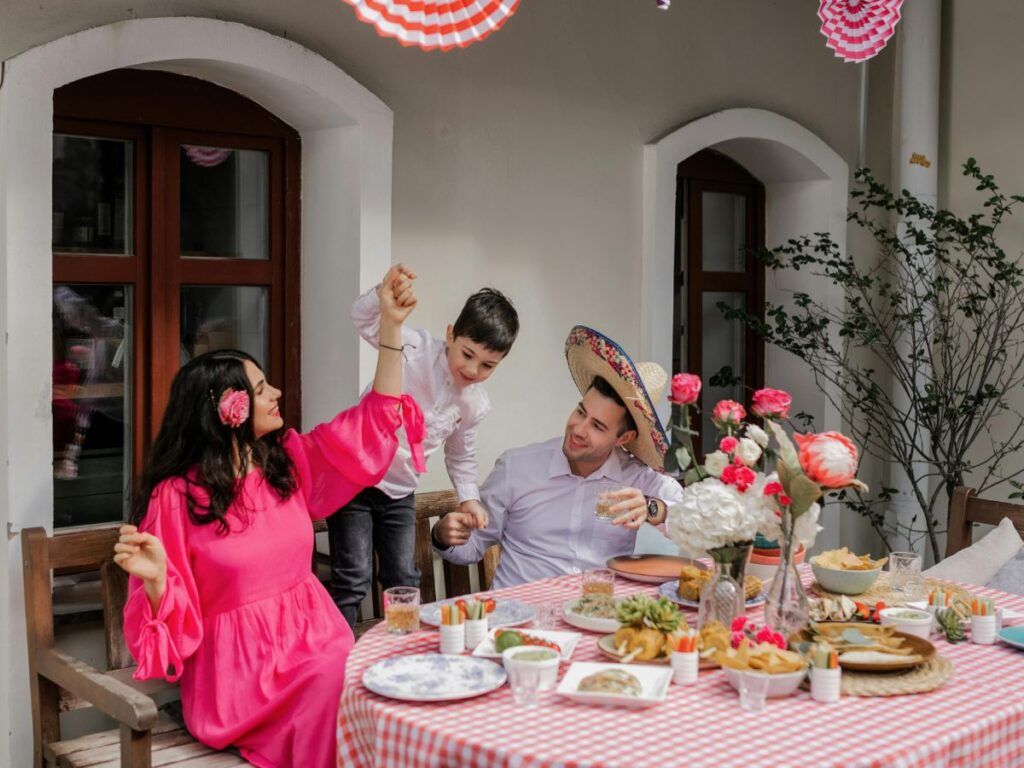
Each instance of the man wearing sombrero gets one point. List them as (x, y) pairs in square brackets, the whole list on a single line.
[(541, 498)]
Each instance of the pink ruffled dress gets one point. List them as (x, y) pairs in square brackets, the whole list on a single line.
[(256, 641)]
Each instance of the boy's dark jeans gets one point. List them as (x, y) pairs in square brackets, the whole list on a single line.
[(371, 521)]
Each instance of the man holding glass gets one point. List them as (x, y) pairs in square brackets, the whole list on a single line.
[(570, 503)]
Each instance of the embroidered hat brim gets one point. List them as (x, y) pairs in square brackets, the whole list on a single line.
[(589, 354)]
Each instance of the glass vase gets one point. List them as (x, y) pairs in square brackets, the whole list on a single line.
[(786, 606), (722, 599)]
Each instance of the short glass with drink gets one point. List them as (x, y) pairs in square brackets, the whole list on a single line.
[(608, 497), (402, 610), (598, 581)]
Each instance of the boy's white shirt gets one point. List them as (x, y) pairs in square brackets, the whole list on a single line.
[(451, 414)]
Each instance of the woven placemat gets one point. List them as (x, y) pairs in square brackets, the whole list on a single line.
[(881, 590), (922, 678)]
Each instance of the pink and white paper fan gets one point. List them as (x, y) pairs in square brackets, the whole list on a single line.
[(432, 24), (858, 29)]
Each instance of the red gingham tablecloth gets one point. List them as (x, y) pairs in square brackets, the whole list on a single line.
[(975, 719)]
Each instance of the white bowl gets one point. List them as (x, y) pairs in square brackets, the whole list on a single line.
[(921, 625), (548, 667), (778, 685)]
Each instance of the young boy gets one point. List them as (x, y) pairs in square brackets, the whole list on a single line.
[(445, 378)]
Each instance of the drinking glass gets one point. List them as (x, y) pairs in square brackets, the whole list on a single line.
[(606, 499), (525, 682), (904, 567), (402, 610), (753, 690), (598, 581)]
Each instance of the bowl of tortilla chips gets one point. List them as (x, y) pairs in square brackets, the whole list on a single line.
[(784, 669), (841, 571)]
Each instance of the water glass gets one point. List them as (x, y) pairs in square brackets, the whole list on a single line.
[(525, 682), (548, 615), (753, 690), (606, 499), (598, 581), (402, 610), (904, 567)]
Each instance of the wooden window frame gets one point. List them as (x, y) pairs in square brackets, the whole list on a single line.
[(710, 171), (158, 111)]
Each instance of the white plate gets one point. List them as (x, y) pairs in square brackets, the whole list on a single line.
[(654, 681), (589, 623), (668, 589), (433, 677), (506, 613), (565, 640)]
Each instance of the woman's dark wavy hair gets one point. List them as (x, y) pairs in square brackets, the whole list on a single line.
[(193, 437)]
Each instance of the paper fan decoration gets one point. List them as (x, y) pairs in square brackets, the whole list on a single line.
[(858, 29), (431, 24), (206, 157)]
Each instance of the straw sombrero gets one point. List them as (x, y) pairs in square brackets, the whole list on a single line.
[(590, 354)]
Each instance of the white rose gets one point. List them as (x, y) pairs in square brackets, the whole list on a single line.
[(806, 528), (715, 462), (757, 434), (747, 451)]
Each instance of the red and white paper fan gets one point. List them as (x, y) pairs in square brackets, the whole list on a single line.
[(431, 24), (858, 29)]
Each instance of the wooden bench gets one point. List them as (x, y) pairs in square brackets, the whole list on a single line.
[(966, 509), (60, 682)]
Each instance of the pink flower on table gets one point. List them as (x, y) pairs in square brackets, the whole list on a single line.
[(233, 407), (737, 638), (771, 403), (685, 389), (728, 413), (772, 489), (728, 444), (828, 458), (738, 624)]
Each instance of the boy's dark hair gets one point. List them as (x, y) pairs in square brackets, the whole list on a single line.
[(488, 318), (606, 389)]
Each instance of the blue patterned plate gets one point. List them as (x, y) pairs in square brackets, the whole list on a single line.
[(506, 613), (669, 590), (433, 677)]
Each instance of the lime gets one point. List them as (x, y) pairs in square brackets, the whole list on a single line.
[(507, 640)]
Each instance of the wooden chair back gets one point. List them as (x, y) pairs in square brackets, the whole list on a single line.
[(966, 509)]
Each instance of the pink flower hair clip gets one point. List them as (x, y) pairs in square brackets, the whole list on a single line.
[(233, 408)]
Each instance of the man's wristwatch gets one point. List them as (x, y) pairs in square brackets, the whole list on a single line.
[(652, 508)]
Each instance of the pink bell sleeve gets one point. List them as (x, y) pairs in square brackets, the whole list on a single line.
[(353, 451), (160, 644)]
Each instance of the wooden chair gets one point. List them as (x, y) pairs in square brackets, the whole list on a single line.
[(457, 578), (966, 509), (60, 682)]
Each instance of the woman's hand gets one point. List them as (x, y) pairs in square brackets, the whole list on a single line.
[(397, 299), (143, 556)]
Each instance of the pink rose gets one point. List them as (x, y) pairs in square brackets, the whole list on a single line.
[(828, 458), (745, 477), (685, 389), (728, 413), (772, 488), (728, 444), (737, 638), (233, 407), (738, 623), (771, 403)]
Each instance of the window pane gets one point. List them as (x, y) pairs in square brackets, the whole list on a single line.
[(723, 343), (224, 317), (92, 195), (92, 403), (223, 202), (724, 220)]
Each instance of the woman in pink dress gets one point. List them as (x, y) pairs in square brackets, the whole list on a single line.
[(222, 596)]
